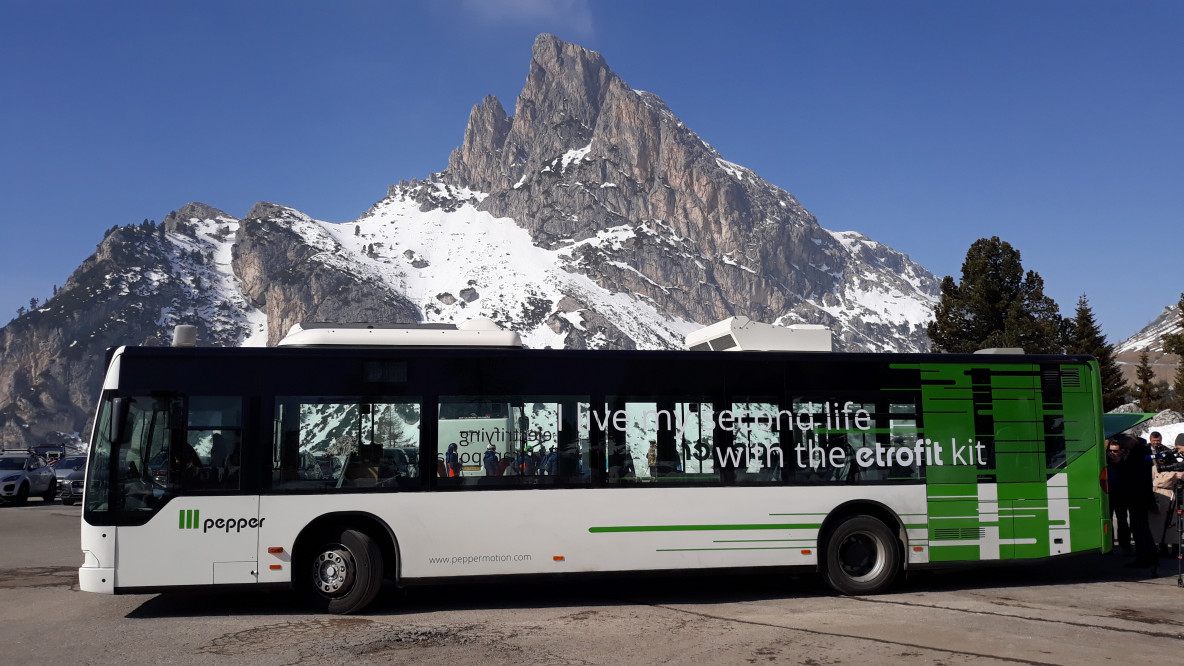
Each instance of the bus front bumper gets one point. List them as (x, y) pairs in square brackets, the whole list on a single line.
[(95, 579)]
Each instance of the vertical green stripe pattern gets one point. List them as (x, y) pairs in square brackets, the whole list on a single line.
[(189, 519)]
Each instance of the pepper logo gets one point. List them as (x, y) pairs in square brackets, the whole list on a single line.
[(189, 519)]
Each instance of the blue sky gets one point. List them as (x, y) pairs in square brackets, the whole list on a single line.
[(1056, 125)]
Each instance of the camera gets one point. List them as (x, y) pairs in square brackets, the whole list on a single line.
[(1169, 461)]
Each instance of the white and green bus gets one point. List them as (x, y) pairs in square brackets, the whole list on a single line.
[(315, 465)]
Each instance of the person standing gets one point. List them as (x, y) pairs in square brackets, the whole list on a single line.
[(1135, 471), (1158, 448), (491, 461), (1168, 477), (452, 461), (1122, 526)]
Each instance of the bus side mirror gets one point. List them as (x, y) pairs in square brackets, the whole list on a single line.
[(119, 409)]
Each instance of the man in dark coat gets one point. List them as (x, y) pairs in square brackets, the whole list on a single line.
[(1136, 494), (1122, 529)]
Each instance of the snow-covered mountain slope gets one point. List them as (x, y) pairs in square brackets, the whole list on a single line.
[(459, 263), (199, 246), (1150, 338)]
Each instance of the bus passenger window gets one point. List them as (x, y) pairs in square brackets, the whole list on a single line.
[(661, 440), (326, 444), (518, 440), (756, 447), (210, 456), (837, 440)]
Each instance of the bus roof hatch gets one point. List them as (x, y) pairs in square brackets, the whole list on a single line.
[(479, 332), (743, 334)]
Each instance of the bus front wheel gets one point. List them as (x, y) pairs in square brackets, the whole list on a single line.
[(343, 573), (862, 556)]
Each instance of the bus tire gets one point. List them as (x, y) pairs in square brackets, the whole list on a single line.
[(343, 572), (862, 556)]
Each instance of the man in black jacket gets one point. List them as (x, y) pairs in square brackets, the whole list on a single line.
[(1136, 494)]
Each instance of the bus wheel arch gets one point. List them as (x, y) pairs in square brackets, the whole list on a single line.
[(861, 548), (340, 561)]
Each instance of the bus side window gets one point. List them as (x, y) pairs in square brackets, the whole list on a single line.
[(325, 444), (756, 442), (666, 440), (210, 456), (492, 441)]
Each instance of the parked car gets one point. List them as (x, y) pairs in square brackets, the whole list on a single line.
[(70, 472), (23, 474)]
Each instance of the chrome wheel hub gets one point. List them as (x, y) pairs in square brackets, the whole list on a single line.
[(333, 571), (861, 556)]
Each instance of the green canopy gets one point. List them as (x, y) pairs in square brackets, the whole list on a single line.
[(1116, 423)]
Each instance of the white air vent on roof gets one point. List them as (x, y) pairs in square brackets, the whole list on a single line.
[(743, 334), (478, 332)]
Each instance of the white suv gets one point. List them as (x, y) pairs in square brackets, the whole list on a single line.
[(23, 474)]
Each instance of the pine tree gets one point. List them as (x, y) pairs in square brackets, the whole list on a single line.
[(1174, 344), (995, 305), (33, 304), (1084, 337), (1147, 393)]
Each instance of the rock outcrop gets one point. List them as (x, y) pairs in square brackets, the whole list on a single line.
[(294, 277)]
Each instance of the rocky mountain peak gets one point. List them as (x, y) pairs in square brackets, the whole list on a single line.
[(479, 158), (556, 111), (264, 210), (178, 220), (585, 155)]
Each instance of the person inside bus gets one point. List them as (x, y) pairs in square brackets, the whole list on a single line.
[(551, 462), (491, 461), (189, 464), (229, 472), (219, 451), (452, 461), (620, 463), (524, 464)]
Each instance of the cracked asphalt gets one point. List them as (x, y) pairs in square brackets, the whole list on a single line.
[(1085, 610)]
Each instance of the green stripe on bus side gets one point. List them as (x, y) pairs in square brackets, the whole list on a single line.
[(761, 540), (181, 520), (797, 514), (701, 528), (683, 550)]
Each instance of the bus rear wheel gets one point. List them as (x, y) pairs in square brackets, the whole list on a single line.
[(343, 572), (862, 556)]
